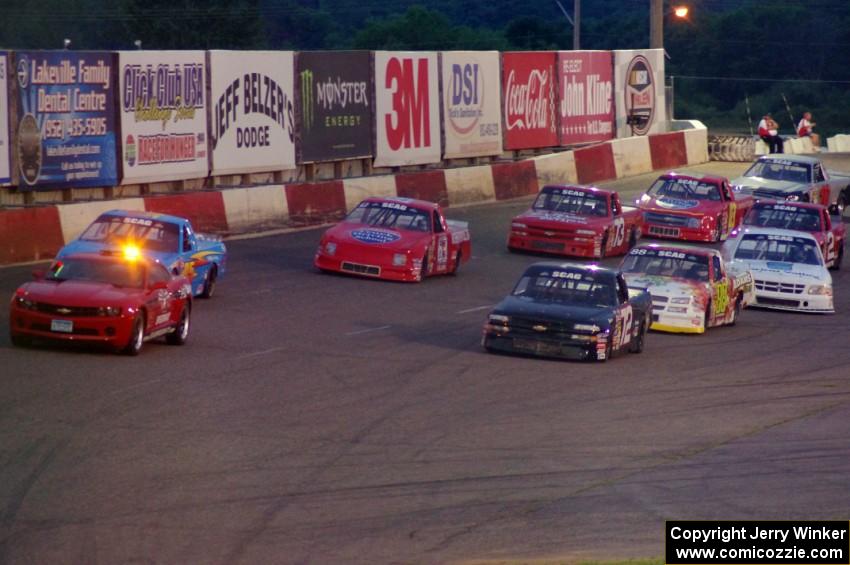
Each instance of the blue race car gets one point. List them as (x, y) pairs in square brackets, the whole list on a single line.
[(168, 239)]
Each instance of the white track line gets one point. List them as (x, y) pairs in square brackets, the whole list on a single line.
[(476, 309), (359, 332)]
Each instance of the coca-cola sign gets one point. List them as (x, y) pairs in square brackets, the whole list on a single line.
[(529, 99)]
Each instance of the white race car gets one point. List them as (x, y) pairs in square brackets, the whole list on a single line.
[(788, 269)]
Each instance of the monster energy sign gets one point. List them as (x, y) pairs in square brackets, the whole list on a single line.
[(335, 107)]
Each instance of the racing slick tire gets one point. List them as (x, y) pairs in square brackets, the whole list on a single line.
[(137, 337), (836, 263), (707, 316), (456, 266), (423, 272), (19, 340), (209, 282), (633, 238), (639, 341), (720, 235), (181, 330), (604, 245)]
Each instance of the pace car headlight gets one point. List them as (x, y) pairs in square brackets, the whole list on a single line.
[(498, 319), (792, 197), (681, 300), (25, 303), (593, 328), (330, 247), (820, 289), (518, 226), (693, 222), (399, 259), (110, 311)]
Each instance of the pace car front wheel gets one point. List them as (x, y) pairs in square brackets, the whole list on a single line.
[(137, 337), (181, 330)]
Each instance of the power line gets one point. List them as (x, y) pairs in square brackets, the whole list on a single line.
[(754, 79)]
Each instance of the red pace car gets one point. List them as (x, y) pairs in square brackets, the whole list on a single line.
[(579, 221), (398, 239), (692, 207), (111, 299), (823, 222)]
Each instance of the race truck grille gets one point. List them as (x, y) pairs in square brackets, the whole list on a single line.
[(550, 233), (71, 311), (666, 219), (787, 288), (361, 269), (539, 327), (778, 302)]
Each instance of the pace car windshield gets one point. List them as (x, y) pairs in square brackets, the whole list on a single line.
[(115, 272), (566, 200), (779, 170), (684, 189), (567, 287), (778, 248), (783, 216), (142, 232), (667, 263), (391, 215)]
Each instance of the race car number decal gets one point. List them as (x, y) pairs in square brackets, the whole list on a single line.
[(625, 327), (442, 251), (619, 231), (721, 297), (733, 211), (830, 252)]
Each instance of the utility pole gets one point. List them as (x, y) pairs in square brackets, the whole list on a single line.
[(656, 24), (577, 25)]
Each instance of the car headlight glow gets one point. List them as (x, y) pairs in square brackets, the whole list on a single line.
[(330, 248), (498, 319), (693, 222), (518, 226), (820, 289), (25, 303), (399, 259), (680, 300), (110, 311), (593, 328)]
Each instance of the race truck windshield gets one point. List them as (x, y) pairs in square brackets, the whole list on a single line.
[(667, 263), (571, 201), (391, 215), (779, 248), (142, 232), (116, 272), (684, 189), (782, 216), (567, 287), (779, 170)]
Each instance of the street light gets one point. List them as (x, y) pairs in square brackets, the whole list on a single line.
[(138, 43), (66, 43), (681, 12)]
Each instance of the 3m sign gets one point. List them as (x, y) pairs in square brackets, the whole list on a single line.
[(407, 107)]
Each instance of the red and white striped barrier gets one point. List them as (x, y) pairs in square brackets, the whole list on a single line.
[(29, 234)]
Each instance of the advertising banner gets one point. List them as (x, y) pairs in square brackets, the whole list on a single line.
[(586, 96), (66, 119), (5, 155), (639, 92), (471, 103), (335, 109), (163, 115), (528, 91), (251, 111), (407, 108)]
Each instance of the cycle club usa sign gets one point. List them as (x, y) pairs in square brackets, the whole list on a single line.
[(528, 83)]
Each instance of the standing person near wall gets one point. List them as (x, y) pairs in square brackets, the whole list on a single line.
[(769, 133), (804, 129)]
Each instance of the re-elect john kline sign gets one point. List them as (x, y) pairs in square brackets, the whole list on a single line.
[(335, 114)]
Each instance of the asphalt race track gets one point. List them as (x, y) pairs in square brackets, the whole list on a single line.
[(325, 419)]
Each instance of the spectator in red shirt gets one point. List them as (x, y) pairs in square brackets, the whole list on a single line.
[(769, 133), (804, 129)]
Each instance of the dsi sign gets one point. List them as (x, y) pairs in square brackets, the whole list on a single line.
[(471, 103), (407, 108)]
